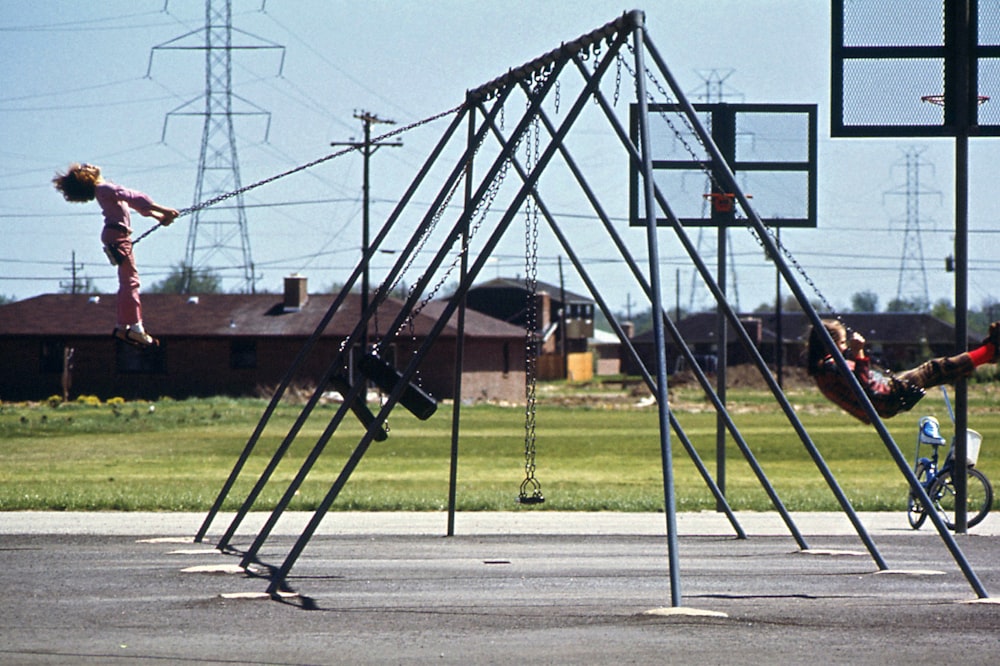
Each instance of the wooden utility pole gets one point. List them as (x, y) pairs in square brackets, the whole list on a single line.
[(367, 148)]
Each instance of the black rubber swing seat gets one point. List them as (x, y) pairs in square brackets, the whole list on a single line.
[(386, 377), (358, 406)]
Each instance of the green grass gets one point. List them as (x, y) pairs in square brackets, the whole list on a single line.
[(175, 456)]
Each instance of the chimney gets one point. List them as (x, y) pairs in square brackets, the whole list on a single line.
[(543, 303), (296, 293)]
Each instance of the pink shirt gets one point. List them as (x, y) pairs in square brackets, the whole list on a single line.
[(115, 202)]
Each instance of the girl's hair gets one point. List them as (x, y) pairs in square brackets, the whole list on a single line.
[(818, 350), (78, 183)]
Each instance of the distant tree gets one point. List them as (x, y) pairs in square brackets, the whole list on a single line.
[(199, 281), (943, 310), (864, 301), (903, 305), (989, 311), (4, 300)]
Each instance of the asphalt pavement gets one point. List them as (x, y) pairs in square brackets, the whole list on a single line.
[(519, 587)]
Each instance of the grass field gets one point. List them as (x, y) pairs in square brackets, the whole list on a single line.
[(595, 451)]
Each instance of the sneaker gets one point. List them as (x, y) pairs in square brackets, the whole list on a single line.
[(135, 336)]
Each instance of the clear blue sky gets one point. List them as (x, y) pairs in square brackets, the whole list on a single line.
[(74, 88)]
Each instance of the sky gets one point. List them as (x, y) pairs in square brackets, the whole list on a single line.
[(95, 82)]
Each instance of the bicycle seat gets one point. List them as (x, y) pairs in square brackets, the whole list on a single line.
[(930, 431)]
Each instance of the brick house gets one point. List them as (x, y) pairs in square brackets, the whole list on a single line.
[(565, 351), (230, 344)]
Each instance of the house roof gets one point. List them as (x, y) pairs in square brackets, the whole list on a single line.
[(213, 315), (518, 283), (883, 328)]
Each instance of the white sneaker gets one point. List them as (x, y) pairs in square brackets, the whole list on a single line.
[(135, 336)]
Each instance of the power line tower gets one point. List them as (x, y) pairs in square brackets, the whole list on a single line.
[(912, 285), (218, 236)]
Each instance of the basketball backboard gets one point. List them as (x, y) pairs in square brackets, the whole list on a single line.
[(911, 68)]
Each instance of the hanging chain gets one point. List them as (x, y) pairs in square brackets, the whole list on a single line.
[(532, 338), (618, 77), (302, 167)]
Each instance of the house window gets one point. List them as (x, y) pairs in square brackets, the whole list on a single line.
[(506, 358), (132, 360), (243, 354), (51, 356)]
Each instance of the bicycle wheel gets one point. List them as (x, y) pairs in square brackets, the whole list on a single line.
[(979, 497), (915, 511)]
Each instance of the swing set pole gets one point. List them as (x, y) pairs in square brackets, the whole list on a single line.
[(658, 337)]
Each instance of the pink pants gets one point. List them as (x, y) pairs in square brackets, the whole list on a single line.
[(129, 306)]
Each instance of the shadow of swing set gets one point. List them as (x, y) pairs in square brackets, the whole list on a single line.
[(623, 42)]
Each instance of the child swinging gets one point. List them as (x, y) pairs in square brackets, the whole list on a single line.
[(889, 394), (83, 183)]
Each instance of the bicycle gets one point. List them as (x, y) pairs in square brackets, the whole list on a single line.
[(938, 482)]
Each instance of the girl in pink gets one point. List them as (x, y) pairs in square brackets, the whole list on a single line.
[(82, 183)]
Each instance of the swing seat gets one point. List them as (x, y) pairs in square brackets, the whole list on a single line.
[(386, 377), (358, 407), (530, 499)]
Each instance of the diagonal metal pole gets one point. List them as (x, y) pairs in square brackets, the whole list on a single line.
[(720, 297), (304, 353), (595, 292), (729, 181), (300, 359), (280, 575), (358, 334)]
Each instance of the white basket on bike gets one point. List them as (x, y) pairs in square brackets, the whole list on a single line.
[(972, 443)]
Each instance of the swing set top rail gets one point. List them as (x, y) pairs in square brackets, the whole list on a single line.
[(628, 21)]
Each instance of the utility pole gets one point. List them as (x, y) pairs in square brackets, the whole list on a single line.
[(74, 284), (367, 148)]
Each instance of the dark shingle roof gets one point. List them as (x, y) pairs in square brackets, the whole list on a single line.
[(218, 315), (885, 327), (551, 289)]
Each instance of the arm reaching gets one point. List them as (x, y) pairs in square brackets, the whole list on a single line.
[(162, 214)]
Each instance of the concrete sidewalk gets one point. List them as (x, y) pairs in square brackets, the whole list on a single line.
[(523, 522)]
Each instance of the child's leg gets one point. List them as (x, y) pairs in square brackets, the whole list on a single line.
[(949, 370), (129, 305), (939, 371)]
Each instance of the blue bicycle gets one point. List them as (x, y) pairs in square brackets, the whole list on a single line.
[(938, 481)]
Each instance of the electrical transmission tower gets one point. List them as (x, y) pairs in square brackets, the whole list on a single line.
[(912, 286), (218, 236)]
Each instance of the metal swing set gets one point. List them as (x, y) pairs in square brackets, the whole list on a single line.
[(468, 244)]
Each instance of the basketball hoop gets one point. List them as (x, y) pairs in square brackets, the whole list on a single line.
[(939, 99), (722, 202)]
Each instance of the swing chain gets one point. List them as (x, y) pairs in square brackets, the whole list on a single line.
[(302, 167), (618, 77), (531, 322)]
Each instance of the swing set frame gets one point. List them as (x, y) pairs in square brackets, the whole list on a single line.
[(592, 56)]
